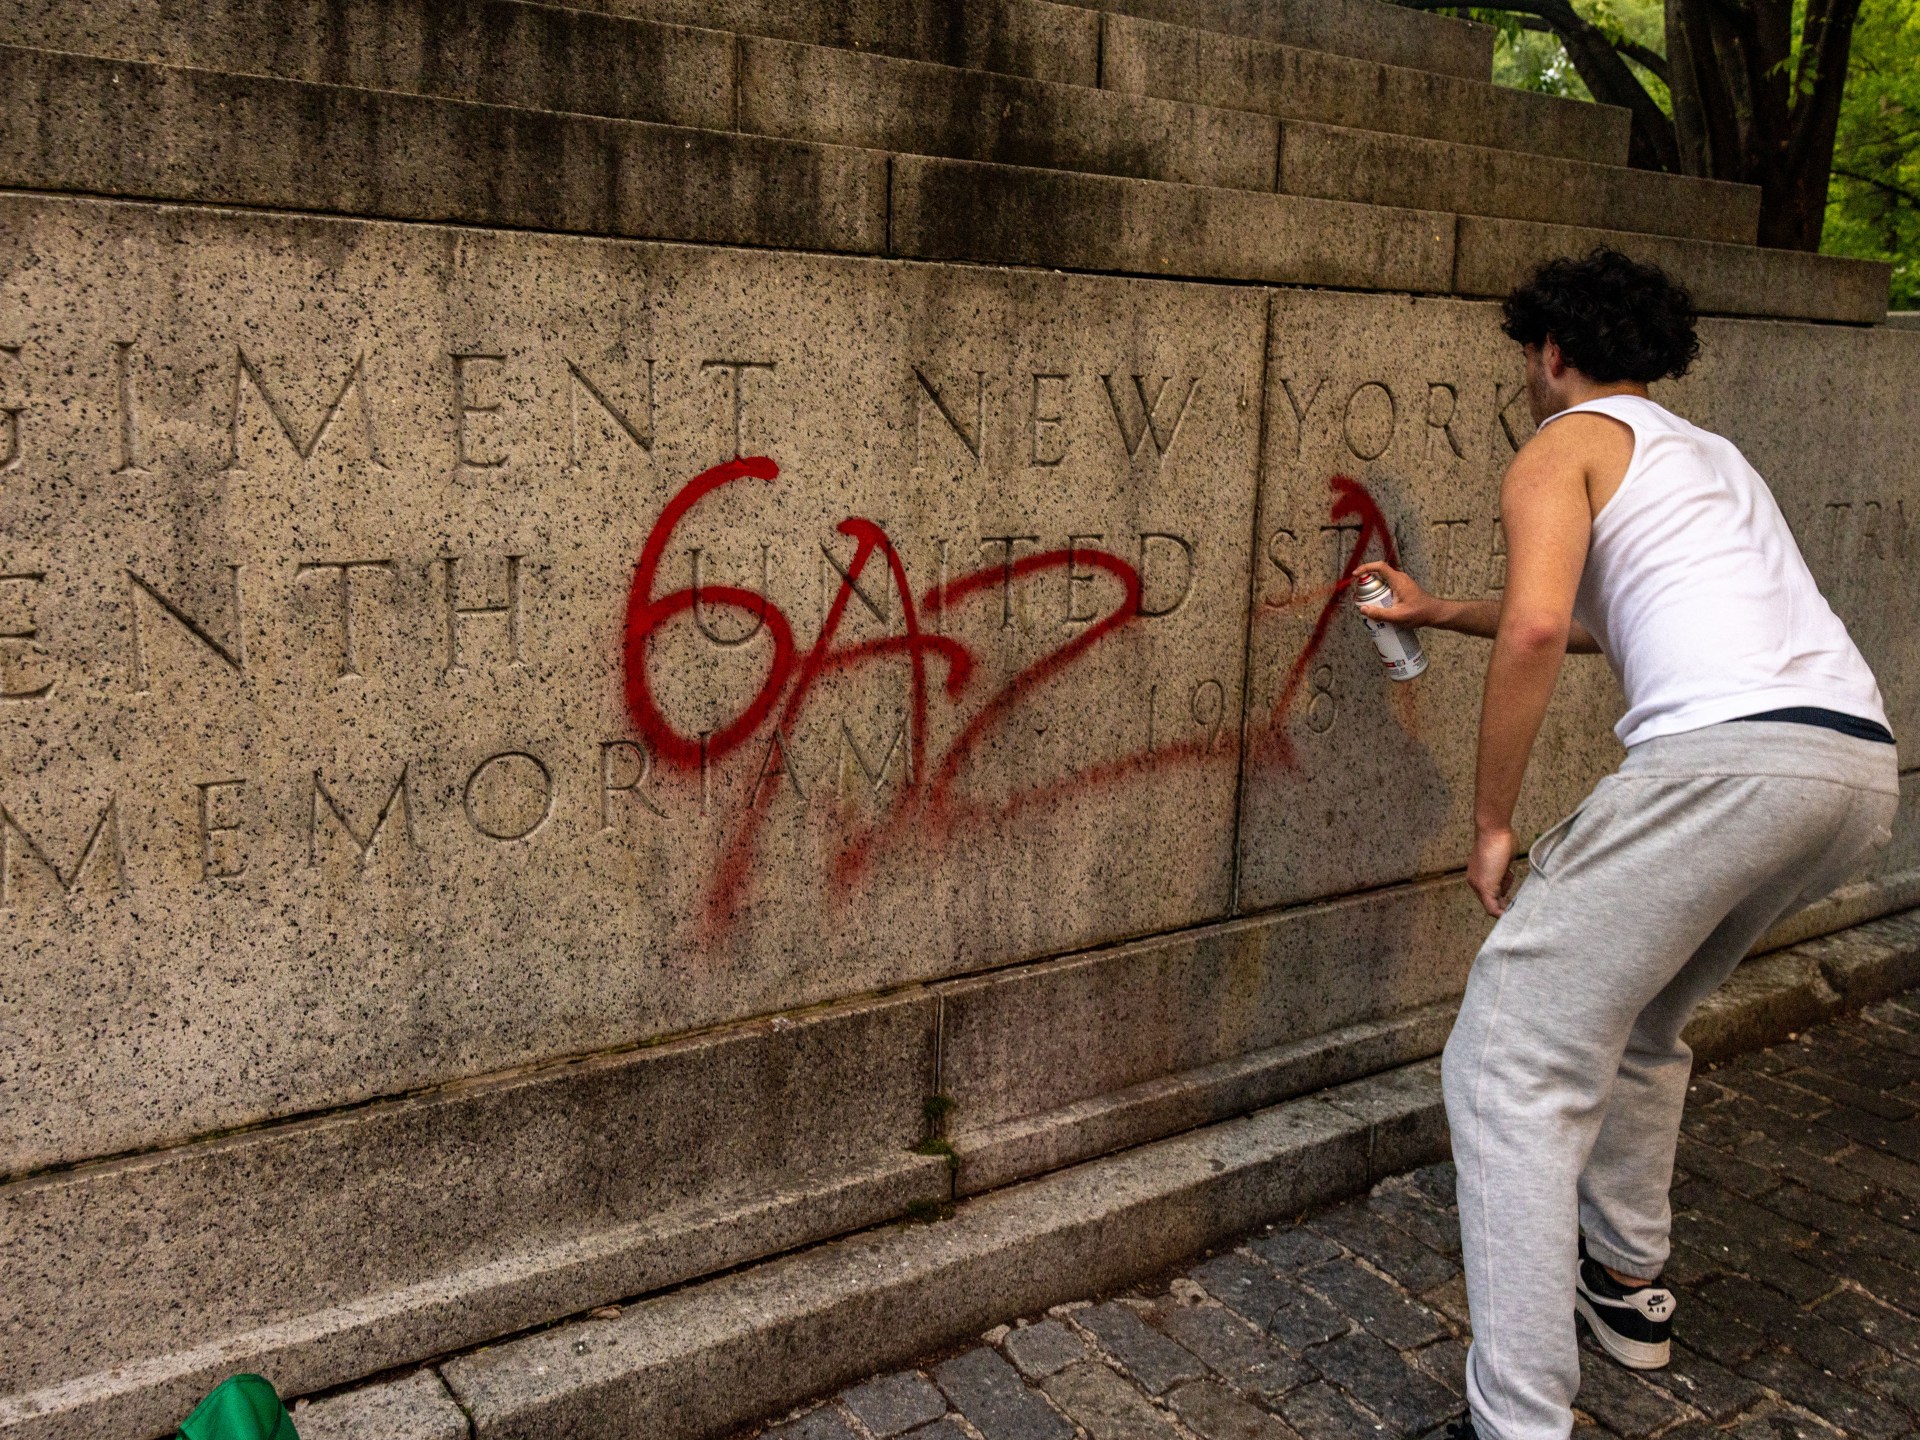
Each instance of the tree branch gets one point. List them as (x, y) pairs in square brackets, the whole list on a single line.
[(1900, 192), (1606, 74)]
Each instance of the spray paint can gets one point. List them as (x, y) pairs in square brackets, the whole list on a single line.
[(1399, 647)]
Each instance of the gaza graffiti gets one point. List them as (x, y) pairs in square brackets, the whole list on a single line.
[(940, 670)]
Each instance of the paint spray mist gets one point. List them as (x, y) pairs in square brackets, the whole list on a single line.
[(1398, 645)]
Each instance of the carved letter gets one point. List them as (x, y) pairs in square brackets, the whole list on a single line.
[(233, 657), (577, 382), (1361, 449), (544, 779), (1301, 408), (876, 776), (975, 441), (211, 824), (643, 761), (760, 616), (830, 566), (29, 637), (363, 845), (1443, 551), (1442, 401), (1497, 557), (463, 406), (349, 651), (129, 463), (1186, 583), (735, 369), (777, 765), (106, 830), (1286, 569), (1077, 576), (245, 370), (1052, 419), (1149, 423), (10, 439), (1007, 542), (456, 612), (1502, 404)]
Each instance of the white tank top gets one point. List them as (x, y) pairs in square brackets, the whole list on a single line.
[(1699, 596)]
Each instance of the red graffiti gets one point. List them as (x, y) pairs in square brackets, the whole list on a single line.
[(928, 801)]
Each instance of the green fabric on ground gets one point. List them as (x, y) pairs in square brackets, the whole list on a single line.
[(241, 1407)]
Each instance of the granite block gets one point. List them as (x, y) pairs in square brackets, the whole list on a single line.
[(1007, 215), (171, 133), (1363, 29), (1179, 62), (1495, 255), (840, 97), (1372, 168), (495, 52)]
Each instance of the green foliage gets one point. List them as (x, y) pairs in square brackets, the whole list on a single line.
[(1873, 209)]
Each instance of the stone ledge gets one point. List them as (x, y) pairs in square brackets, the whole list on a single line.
[(1495, 255), (1008, 215), (1369, 167), (413, 1407), (1361, 29), (167, 133), (1774, 995), (1034, 1144), (840, 97), (713, 1356), (1176, 62)]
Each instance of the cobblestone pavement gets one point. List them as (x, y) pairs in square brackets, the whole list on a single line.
[(1796, 1262)]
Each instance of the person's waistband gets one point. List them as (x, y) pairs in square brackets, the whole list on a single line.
[(1852, 725), (1754, 746)]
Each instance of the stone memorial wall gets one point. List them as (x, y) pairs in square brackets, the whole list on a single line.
[(532, 756)]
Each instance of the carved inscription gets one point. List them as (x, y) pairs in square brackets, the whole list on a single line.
[(101, 848), (249, 379)]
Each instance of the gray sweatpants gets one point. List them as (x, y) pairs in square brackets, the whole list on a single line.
[(1565, 1073)]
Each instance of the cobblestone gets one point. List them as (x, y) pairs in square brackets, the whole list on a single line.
[(1041, 1349), (1156, 1363), (1796, 1261), (889, 1405)]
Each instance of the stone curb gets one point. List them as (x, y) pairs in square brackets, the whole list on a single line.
[(714, 1356), (1773, 996), (709, 1358)]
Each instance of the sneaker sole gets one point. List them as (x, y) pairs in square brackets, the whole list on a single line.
[(1634, 1354)]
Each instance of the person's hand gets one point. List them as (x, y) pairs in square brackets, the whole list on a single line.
[(1411, 605), (1490, 871)]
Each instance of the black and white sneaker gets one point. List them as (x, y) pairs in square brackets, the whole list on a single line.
[(1633, 1324)]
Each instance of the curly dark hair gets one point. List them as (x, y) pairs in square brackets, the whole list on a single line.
[(1613, 318)]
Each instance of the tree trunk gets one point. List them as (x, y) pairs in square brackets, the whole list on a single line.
[(1744, 108)]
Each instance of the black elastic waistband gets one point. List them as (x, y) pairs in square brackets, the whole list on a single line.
[(1828, 720)]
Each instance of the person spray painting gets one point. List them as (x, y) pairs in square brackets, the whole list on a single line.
[(1759, 775)]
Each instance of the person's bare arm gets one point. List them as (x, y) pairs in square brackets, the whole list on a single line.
[(1549, 523), (1414, 606)]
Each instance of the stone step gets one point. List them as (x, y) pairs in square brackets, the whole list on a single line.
[(504, 52), (164, 132), (1018, 37), (524, 52), (950, 210), (170, 133), (1495, 255), (1335, 163), (533, 57), (1362, 29), (1179, 62), (832, 96)]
